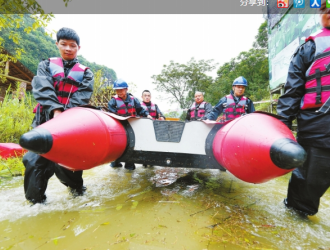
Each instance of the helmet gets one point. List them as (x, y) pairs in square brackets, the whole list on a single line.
[(120, 84), (240, 81)]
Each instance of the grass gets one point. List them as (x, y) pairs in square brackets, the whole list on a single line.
[(15, 116), (11, 167), (15, 119)]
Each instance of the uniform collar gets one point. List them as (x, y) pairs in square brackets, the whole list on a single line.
[(237, 99), (128, 97), (70, 63)]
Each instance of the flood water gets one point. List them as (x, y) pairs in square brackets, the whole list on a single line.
[(159, 208)]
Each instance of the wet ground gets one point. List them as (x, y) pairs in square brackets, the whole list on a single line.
[(159, 208)]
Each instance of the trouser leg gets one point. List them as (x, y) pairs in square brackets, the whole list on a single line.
[(72, 179), (309, 182), (38, 170)]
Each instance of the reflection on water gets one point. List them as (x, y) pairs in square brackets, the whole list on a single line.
[(159, 208)]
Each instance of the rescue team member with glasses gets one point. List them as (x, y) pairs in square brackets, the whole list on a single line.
[(306, 99), (233, 105), (125, 104), (199, 108), (61, 83)]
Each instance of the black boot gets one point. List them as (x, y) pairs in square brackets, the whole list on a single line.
[(42, 200), (129, 166), (77, 191), (298, 212), (116, 164)]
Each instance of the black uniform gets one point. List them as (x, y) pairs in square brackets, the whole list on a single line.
[(208, 109), (221, 106), (308, 182), (38, 169), (112, 105), (158, 112)]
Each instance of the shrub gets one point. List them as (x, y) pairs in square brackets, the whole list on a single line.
[(15, 116)]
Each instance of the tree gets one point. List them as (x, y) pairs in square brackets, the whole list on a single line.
[(11, 20), (253, 65), (102, 92), (180, 81), (38, 45), (261, 41), (107, 73)]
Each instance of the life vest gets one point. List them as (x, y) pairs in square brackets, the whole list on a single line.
[(152, 111), (317, 86), (234, 110), (123, 109), (64, 86), (200, 111)]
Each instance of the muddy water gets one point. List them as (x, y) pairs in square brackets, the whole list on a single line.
[(159, 208)]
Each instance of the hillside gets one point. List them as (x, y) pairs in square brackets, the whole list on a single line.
[(38, 45)]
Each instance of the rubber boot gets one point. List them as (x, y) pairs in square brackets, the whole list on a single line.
[(77, 191), (129, 166), (116, 164)]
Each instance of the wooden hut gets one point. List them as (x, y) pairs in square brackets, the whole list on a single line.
[(15, 72)]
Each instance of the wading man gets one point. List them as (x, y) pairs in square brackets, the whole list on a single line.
[(233, 105), (199, 108), (61, 83), (151, 107), (125, 104), (305, 92)]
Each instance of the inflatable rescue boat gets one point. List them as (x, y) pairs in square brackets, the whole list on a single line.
[(255, 148)]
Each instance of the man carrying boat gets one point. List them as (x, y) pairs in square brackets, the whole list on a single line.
[(307, 99), (199, 108), (151, 107), (61, 83), (233, 105), (125, 104)]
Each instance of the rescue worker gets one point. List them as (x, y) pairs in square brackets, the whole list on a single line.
[(233, 105), (151, 107), (305, 92), (125, 104), (199, 108), (61, 83)]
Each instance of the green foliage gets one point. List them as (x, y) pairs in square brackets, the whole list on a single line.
[(12, 23), (37, 45), (267, 106), (11, 167), (180, 81), (261, 41), (183, 116), (107, 73), (10, 33), (253, 65), (172, 114), (102, 91), (15, 116)]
